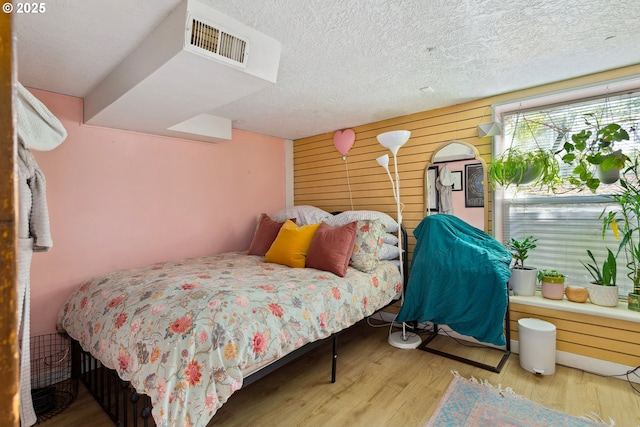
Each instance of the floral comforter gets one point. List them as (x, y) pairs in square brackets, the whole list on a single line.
[(186, 332)]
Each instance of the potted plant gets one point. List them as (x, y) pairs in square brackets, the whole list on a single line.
[(593, 150), (551, 284), (523, 278), (591, 153), (603, 289), (517, 166)]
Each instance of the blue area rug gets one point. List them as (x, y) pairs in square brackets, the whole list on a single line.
[(472, 403)]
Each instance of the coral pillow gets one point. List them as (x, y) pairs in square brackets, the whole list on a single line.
[(331, 248), (265, 234), (291, 245)]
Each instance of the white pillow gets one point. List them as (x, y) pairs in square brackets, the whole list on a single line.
[(349, 216), (389, 252), (391, 239), (304, 215)]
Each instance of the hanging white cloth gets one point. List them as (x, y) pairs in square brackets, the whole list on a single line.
[(444, 184), (40, 130)]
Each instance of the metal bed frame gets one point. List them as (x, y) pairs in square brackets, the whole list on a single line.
[(493, 368)]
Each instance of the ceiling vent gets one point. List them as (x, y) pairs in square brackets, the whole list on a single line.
[(196, 61), (217, 42)]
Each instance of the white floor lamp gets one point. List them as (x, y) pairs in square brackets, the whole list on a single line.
[(393, 141)]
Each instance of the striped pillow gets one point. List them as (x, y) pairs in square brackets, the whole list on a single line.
[(349, 216)]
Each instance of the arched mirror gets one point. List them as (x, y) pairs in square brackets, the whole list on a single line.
[(458, 163)]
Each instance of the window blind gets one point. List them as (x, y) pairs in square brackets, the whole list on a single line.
[(565, 229)]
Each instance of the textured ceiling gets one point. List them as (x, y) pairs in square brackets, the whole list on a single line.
[(350, 62)]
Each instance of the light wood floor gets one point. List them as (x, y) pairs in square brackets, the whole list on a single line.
[(379, 385)]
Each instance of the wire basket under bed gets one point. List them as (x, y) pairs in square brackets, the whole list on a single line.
[(52, 387)]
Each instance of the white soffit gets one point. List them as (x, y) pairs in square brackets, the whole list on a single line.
[(168, 85), (204, 125)]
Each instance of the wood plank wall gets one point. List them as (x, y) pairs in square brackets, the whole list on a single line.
[(587, 335), (320, 179), (320, 174)]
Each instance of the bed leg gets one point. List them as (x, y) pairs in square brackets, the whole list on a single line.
[(146, 410), (124, 388), (76, 368), (116, 394), (334, 361), (109, 380), (134, 397)]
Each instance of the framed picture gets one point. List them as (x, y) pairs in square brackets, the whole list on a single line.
[(457, 181), (431, 191), (474, 188)]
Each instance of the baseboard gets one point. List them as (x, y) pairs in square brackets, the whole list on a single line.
[(589, 364), (571, 360)]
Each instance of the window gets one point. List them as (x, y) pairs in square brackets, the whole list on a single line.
[(566, 223)]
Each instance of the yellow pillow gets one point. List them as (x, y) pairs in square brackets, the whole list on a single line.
[(291, 245)]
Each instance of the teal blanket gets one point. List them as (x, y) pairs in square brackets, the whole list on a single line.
[(458, 278)]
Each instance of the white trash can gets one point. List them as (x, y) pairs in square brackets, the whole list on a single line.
[(537, 346)]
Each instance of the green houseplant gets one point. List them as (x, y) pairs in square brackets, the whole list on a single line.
[(605, 276), (603, 289), (625, 225), (551, 284), (523, 278), (519, 167), (520, 250), (593, 154), (551, 275)]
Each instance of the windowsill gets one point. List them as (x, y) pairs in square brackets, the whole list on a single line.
[(620, 312)]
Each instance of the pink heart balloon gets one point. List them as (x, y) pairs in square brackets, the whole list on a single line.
[(343, 140)]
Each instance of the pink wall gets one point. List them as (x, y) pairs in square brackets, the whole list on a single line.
[(121, 199), (473, 216)]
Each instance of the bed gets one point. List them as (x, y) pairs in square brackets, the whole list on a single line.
[(187, 334)]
